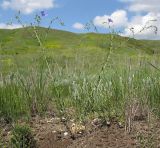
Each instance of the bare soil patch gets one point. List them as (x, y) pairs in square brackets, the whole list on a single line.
[(51, 132)]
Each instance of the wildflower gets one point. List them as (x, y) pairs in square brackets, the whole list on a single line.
[(110, 20), (43, 13), (131, 29)]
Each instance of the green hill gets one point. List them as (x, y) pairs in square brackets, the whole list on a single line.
[(22, 41)]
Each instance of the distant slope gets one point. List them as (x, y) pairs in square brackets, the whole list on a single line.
[(23, 40)]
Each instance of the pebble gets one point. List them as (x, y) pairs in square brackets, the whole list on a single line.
[(63, 119), (54, 131), (65, 133), (120, 125), (96, 122), (108, 123)]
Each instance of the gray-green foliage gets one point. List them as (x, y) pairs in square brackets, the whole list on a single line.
[(93, 80), (89, 91)]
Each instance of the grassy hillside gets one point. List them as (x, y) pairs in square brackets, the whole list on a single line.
[(20, 48), (20, 41), (79, 78)]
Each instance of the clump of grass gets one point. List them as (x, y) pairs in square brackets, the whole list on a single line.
[(22, 137)]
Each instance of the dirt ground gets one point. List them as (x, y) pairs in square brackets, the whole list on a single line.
[(52, 132)]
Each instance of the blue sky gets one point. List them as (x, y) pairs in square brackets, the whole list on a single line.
[(76, 13)]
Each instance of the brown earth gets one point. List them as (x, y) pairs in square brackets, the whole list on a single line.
[(112, 137), (52, 132)]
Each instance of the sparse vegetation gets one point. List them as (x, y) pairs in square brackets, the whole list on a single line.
[(79, 76)]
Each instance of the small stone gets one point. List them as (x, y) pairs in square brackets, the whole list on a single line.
[(77, 128), (96, 122), (49, 121), (120, 125), (108, 123), (65, 133), (72, 120), (54, 131), (63, 119), (42, 122), (57, 120), (41, 138)]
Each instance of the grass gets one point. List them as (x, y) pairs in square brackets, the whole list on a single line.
[(78, 76), (70, 77), (80, 85), (63, 40), (22, 137)]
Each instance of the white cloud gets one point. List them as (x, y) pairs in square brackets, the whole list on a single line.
[(13, 26), (119, 18), (143, 5), (78, 26), (28, 6), (138, 22), (151, 11)]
